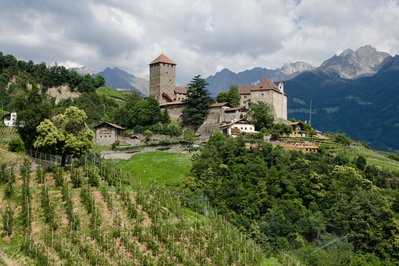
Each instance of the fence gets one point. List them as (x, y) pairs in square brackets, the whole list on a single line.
[(49, 159)]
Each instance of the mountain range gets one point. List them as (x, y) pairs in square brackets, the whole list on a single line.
[(365, 108), (224, 78), (349, 64)]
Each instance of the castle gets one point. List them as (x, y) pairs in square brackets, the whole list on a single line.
[(268, 92), (163, 88)]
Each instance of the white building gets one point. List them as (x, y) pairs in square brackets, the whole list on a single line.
[(238, 127), (10, 120)]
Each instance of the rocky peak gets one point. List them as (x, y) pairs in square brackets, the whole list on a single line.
[(350, 64), (291, 68)]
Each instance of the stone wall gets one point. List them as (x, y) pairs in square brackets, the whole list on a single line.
[(162, 79), (175, 111), (277, 100), (230, 116)]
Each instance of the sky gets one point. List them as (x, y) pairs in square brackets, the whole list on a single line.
[(201, 36)]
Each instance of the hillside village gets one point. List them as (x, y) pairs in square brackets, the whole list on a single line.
[(221, 116)]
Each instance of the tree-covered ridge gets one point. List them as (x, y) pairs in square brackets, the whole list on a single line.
[(46, 76), (292, 201)]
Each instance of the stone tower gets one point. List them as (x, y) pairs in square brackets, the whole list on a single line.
[(162, 79)]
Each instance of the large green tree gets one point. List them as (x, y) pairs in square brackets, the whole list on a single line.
[(198, 101), (65, 134), (232, 96), (138, 112), (261, 115), (32, 107)]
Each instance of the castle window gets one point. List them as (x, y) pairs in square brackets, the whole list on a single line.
[(262, 94)]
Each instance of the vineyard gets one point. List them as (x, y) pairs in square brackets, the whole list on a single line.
[(7, 134), (90, 216)]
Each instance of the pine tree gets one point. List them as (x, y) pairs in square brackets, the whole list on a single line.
[(198, 101)]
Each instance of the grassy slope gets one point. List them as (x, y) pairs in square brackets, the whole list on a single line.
[(10, 157), (373, 157), (163, 167), (111, 93)]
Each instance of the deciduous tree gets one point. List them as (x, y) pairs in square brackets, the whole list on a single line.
[(261, 115), (65, 134)]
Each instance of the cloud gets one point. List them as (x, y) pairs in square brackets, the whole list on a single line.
[(202, 36)]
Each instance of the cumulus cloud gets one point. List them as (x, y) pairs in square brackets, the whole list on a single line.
[(202, 36)]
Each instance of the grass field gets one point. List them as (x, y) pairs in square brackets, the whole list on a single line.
[(111, 93), (163, 167)]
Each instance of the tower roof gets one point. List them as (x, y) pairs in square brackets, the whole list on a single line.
[(163, 59)]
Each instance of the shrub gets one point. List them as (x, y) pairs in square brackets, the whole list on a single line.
[(342, 139), (16, 145)]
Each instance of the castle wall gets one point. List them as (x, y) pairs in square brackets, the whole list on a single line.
[(277, 100), (175, 111), (230, 116), (280, 105)]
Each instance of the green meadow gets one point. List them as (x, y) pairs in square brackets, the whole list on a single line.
[(161, 167)]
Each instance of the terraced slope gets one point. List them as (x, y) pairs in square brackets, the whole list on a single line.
[(91, 216)]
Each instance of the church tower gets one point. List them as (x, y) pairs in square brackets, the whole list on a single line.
[(162, 79)]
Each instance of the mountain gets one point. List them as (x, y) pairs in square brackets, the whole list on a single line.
[(224, 78), (118, 78), (295, 68), (350, 64), (365, 108)]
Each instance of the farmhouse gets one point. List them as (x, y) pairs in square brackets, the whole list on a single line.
[(237, 127), (10, 120), (108, 133)]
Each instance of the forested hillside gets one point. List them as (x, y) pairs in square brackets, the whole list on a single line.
[(326, 208), (364, 108)]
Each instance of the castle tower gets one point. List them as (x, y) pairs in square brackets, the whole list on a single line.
[(162, 79)]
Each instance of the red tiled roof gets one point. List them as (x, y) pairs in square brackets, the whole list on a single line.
[(163, 59), (263, 84), (168, 98), (171, 103), (181, 90), (219, 104), (109, 124)]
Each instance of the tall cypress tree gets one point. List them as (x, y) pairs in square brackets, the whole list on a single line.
[(198, 101)]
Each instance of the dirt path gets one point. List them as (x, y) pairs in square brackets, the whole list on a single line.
[(7, 260), (122, 155)]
